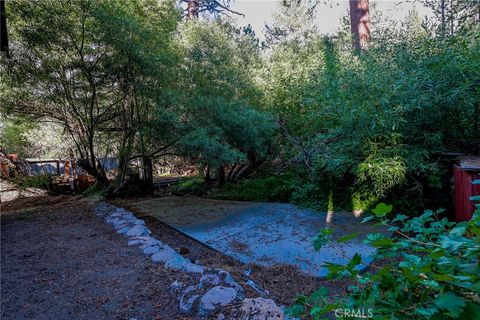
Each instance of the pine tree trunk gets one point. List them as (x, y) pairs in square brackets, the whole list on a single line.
[(192, 9), (360, 23)]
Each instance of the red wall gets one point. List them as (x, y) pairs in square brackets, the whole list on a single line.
[(464, 189)]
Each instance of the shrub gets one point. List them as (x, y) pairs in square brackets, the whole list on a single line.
[(271, 188), (96, 190), (192, 185), (432, 272), (41, 181)]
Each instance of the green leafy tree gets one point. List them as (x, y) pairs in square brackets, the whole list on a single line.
[(223, 127)]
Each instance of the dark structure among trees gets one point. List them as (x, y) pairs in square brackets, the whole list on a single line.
[(3, 29)]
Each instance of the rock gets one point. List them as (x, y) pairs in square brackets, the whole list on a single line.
[(137, 231), (188, 290), (111, 220), (175, 286), (209, 279), (193, 268), (177, 262), (229, 280), (151, 250), (217, 296), (123, 230), (120, 226), (164, 255), (221, 316), (135, 242), (260, 309), (143, 238), (186, 306), (152, 242), (256, 287)]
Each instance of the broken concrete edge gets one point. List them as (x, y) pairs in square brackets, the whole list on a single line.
[(223, 289)]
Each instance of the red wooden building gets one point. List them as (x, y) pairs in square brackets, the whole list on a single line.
[(467, 170)]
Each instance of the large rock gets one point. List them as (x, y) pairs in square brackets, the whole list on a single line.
[(177, 262), (209, 279), (260, 309), (218, 296), (151, 250), (135, 242), (118, 222), (123, 230), (137, 231), (193, 268), (165, 254)]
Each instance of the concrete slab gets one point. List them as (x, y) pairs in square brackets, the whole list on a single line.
[(262, 233)]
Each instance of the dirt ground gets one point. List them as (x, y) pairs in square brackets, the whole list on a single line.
[(58, 261)]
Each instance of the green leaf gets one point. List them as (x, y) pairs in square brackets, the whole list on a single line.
[(452, 242), (378, 240), (382, 209), (451, 302), (426, 311), (400, 217), (368, 218), (296, 310), (348, 237), (471, 311), (355, 261), (322, 238)]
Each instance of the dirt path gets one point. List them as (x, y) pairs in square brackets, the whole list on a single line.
[(58, 261)]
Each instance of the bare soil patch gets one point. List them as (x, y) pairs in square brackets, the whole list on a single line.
[(61, 262)]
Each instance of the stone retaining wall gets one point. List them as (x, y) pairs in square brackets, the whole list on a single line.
[(216, 288)]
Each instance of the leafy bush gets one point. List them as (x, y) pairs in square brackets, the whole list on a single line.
[(191, 185), (271, 188), (41, 181), (432, 272), (96, 190), (376, 122)]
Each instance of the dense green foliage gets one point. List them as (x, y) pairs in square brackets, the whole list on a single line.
[(128, 79), (378, 122), (431, 272), (13, 137), (41, 181), (190, 185), (270, 188)]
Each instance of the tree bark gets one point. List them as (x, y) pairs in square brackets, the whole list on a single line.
[(192, 9), (360, 23), (3, 29), (221, 175), (148, 174), (207, 175)]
